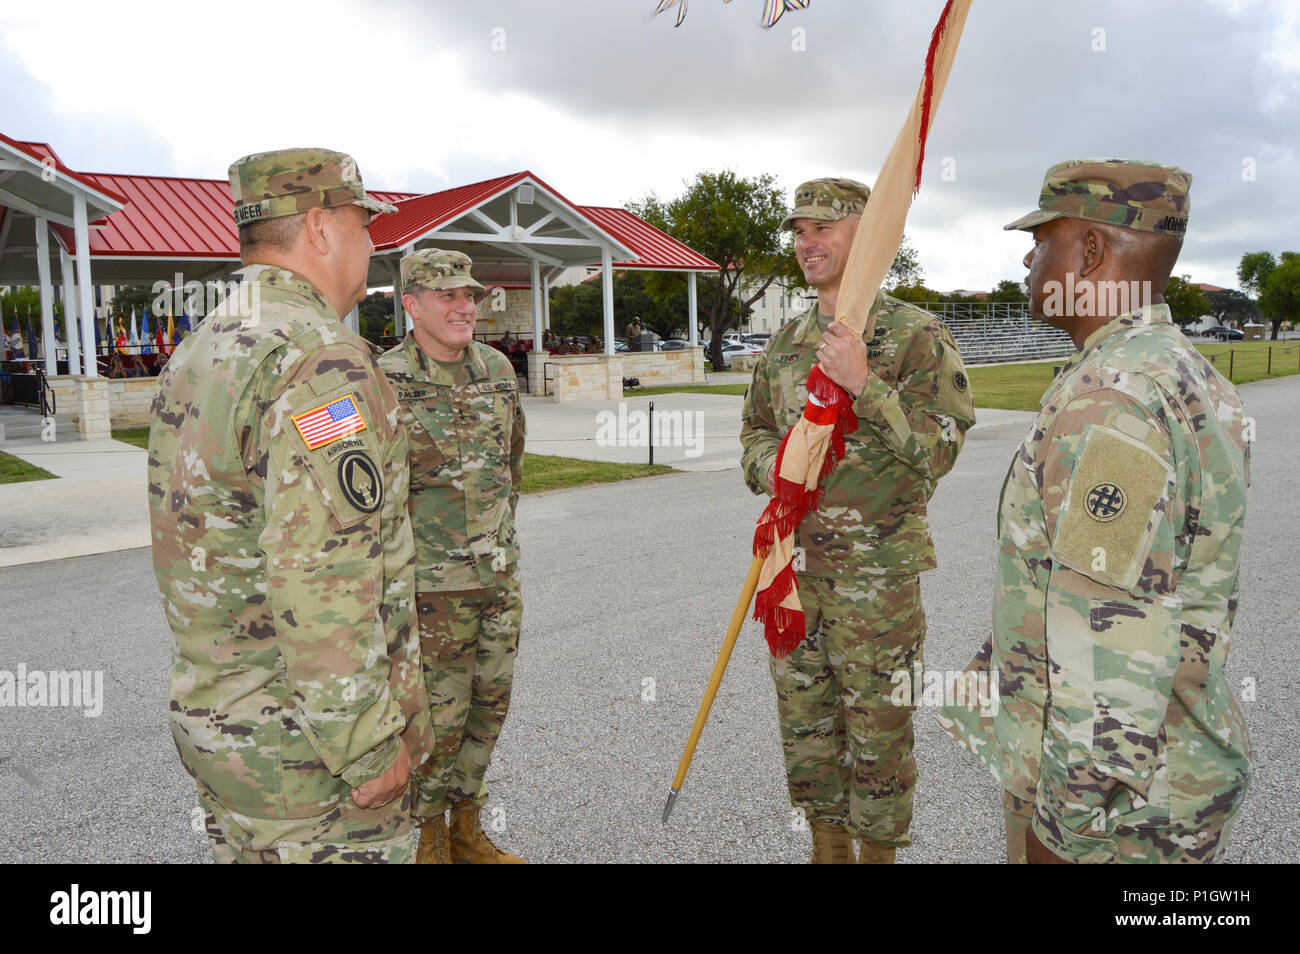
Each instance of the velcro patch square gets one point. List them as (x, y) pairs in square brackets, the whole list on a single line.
[(329, 422)]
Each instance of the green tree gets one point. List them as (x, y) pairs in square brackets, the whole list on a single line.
[(375, 316), (1187, 303), (1008, 290), (1231, 305), (1254, 268), (1279, 298), (25, 302), (736, 222), (578, 309), (918, 294), (906, 269)]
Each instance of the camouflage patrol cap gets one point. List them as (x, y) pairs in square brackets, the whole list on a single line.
[(1146, 196), (828, 200), (267, 185), (437, 269)]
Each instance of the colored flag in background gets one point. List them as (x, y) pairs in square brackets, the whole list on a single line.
[(146, 343), (171, 334)]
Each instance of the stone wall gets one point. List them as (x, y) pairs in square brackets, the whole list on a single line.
[(124, 402), (583, 377), (516, 317), (656, 368)]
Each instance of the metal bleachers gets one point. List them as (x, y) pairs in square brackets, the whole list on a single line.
[(992, 332)]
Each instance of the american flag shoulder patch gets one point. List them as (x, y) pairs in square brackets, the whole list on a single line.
[(329, 422)]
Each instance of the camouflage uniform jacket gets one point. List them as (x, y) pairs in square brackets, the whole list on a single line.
[(466, 429), (912, 418), (285, 571), (1120, 524)]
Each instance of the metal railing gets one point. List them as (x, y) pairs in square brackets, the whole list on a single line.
[(993, 331)]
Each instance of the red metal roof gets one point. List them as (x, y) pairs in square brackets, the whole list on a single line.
[(174, 217), (654, 249), (41, 151), (416, 215)]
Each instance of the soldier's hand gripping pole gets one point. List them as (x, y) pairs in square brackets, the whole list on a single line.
[(719, 667)]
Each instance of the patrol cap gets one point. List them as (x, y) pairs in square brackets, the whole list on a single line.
[(1146, 196), (437, 269), (267, 185), (828, 200)]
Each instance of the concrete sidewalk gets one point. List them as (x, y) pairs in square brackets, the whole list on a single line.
[(99, 502), (97, 505)]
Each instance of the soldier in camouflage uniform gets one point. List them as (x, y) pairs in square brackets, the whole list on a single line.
[(461, 407), (281, 540), (848, 750), (1117, 737)]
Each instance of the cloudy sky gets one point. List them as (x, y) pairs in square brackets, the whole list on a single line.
[(606, 103)]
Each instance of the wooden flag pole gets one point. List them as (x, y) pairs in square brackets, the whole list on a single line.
[(715, 680)]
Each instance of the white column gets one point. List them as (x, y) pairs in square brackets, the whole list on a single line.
[(607, 297), (401, 323), (692, 309), (85, 288), (535, 286), (47, 294), (546, 301), (70, 312)]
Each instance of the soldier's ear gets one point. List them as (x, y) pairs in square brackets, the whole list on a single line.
[(1093, 250), (316, 230)]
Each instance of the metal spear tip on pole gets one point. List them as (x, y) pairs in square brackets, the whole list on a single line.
[(668, 805)]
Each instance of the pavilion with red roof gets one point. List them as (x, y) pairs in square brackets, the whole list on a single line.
[(519, 231)]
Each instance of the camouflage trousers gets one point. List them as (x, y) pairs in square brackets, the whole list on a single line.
[(468, 642), (1133, 845), (848, 748), (345, 835)]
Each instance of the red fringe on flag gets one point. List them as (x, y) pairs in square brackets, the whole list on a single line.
[(782, 627), (935, 38)]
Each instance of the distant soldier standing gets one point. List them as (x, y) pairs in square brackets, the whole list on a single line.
[(848, 749), (281, 540), (1118, 737), (462, 411)]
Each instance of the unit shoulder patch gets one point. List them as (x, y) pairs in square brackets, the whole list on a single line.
[(1113, 505), (359, 481)]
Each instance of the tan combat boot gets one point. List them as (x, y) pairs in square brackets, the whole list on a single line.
[(874, 853), (434, 847), (470, 844), (831, 844)]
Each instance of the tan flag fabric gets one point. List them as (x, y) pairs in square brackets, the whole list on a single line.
[(812, 448)]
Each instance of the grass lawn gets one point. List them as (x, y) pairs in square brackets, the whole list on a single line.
[(1250, 360), (139, 436), (543, 472), (1020, 386), (737, 389), (15, 470)]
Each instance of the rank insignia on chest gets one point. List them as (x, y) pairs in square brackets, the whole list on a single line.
[(329, 422), (1105, 502)]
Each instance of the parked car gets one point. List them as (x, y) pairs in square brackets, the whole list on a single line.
[(1224, 333), (733, 336), (760, 340), (673, 344)]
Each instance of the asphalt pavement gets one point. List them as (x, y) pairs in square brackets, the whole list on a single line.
[(627, 591)]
